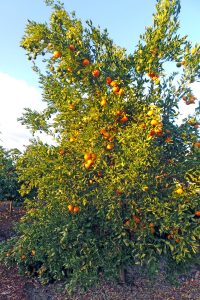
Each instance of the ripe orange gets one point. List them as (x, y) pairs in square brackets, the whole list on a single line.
[(124, 119), (145, 188), (93, 156), (196, 126), (168, 139), (114, 83), (62, 152), (72, 139), (150, 113), (23, 257), (197, 144), (121, 92), (89, 163), (33, 252), (119, 192), (71, 47), (136, 219), (115, 89), (70, 207), (108, 80), (71, 106), (179, 191), (197, 213), (109, 146), (118, 113), (154, 122), (85, 62), (103, 101), (96, 73), (57, 54), (87, 156), (76, 209)]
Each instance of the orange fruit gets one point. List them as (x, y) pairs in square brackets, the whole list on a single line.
[(96, 73), (23, 257), (87, 156), (124, 119), (179, 191), (33, 252), (196, 126), (89, 163), (114, 83), (121, 92), (168, 139), (70, 207), (93, 156), (118, 113), (119, 192), (76, 209), (109, 146), (57, 54), (145, 188), (197, 213), (108, 80), (99, 174), (61, 151), (197, 144), (85, 62), (136, 219), (115, 89), (154, 122), (150, 113), (103, 101), (105, 134), (71, 106), (72, 139), (71, 47)]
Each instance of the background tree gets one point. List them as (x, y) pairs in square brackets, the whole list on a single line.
[(9, 186), (120, 185)]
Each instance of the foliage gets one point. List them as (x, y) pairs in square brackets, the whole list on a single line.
[(9, 186), (120, 186)]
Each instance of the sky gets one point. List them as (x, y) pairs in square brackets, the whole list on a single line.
[(19, 88)]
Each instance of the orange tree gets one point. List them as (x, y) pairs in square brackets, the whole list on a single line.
[(120, 184)]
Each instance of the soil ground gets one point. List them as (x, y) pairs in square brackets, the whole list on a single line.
[(16, 287)]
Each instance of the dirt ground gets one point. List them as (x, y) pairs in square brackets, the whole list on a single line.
[(16, 287)]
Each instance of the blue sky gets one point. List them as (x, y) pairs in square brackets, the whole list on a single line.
[(125, 21)]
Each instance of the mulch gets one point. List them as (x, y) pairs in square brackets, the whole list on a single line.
[(16, 287)]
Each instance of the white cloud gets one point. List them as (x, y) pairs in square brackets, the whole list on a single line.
[(14, 96)]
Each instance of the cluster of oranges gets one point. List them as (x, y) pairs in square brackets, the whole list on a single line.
[(73, 209), (115, 86), (153, 76)]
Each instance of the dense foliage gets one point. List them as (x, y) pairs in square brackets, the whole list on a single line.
[(9, 186), (120, 185)]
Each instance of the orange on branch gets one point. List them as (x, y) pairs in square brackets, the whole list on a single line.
[(85, 62), (154, 122), (124, 119), (76, 209), (96, 73), (57, 54), (72, 47), (70, 207), (108, 80)]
